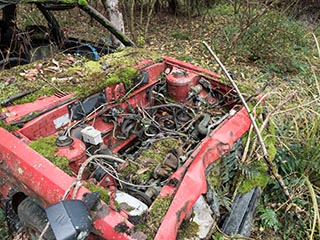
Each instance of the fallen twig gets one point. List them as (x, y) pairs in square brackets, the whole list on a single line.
[(272, 169), (317, 43)]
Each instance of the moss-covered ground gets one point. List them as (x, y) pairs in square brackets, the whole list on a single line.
[(72, 74)]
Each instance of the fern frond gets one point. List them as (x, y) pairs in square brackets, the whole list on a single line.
[(269, 218)]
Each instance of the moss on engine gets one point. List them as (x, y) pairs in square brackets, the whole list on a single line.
[(153, 218), (141, 171), (104, 194), (46, 146)]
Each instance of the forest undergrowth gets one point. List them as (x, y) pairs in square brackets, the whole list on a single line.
[(278, 55)]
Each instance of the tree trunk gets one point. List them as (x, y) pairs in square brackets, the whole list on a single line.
[(9, 14), (157, 6), (150, 8), (131, 14), (116, 18), (173, 6)]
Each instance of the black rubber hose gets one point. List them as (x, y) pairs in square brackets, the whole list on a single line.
[(202, 127), (127, 127), (12, 62)]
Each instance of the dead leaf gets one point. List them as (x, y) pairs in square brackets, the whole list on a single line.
[(142, 170), (80, 73), (30, 74), (8, 80), (62, 79), (68, 61)]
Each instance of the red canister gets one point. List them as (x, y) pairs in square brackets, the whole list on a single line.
[(179, 82)]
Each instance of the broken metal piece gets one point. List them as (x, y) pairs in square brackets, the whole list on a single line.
[(171, 161), (240, 219)]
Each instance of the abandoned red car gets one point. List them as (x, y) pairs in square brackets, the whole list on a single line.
[(113, 148)]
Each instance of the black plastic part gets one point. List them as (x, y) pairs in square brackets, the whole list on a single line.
[(127, 127), (81, 109), (69, 220), (64, 141), (91, 200), (98, 174), (242, 213), (142, 79)]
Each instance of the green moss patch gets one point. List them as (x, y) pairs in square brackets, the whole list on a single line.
[(188, 229), (104, 194), (8, 127), (72, 74), (160, 149), (154, 217), (257, 169), (142, 170), (258, 177), (46, 146), (214, 175)]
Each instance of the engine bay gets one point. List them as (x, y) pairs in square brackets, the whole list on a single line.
[(142, 140)]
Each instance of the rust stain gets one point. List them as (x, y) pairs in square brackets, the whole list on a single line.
[(121, 227), (180, 212), (223, 148)]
